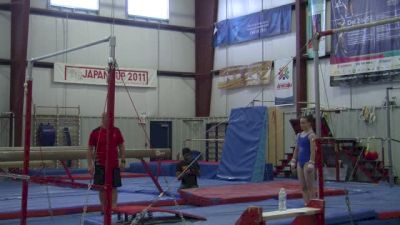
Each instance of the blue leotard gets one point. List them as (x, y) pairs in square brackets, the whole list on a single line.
[(304, 149)]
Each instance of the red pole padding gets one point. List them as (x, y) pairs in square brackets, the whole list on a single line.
[(27, 147), (153, 178), (337, 163), (251, 216), (67, 170), (110, 126), (320, 169)]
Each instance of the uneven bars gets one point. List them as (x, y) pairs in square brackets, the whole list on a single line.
[(106, 39), (359, 26), (28, 115), (315, 42)]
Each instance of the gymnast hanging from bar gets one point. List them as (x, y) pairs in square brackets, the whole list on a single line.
[(304, 158)]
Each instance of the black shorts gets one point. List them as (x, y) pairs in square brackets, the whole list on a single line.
[(99, 176)]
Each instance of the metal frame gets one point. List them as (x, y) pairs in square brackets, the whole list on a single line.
[(110, 114), (315, 43), (207, 147), (389, 135), (28, 118)]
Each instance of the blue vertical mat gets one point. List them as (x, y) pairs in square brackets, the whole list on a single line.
[(243, 155)]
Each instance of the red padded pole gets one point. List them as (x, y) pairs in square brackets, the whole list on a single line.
[(320, 162), (27, 147), (110, 127)]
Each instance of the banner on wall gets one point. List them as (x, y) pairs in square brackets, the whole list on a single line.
[(368, 55), (96, 75), (267, 23), (316, 16), (241, 76), (283, 81)]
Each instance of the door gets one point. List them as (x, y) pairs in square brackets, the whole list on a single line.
[(161, 134)]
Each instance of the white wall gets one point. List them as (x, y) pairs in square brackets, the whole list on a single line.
[(346, 97), (5, 34), (136, 48), (283, 46), (173, 97), (275, 48), (4, 88)]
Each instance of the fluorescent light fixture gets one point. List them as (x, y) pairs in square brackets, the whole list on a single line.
[(157, 9)]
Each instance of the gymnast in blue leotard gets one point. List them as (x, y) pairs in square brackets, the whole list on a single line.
[(303, 158)]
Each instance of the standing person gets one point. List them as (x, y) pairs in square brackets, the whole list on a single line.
[(98, 149), (304, 158), (189, 178)]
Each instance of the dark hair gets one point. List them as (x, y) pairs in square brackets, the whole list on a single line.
[(309, 118), (186, 151)]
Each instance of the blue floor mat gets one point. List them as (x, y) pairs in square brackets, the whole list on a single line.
[(366, 200)]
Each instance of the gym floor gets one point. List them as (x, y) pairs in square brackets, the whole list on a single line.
[(368, 203)]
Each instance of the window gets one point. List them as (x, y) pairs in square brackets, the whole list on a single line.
[(76, 4), (156, 9)]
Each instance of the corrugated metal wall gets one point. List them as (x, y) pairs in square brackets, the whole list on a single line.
[(5, 131)]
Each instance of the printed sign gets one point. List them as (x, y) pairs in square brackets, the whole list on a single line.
[(96, 75), (267, 23), (369, 55), (241, 76), (283, 81)]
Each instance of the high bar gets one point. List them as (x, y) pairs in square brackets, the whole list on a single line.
[(199, 139), (359, 26), (106, 39)]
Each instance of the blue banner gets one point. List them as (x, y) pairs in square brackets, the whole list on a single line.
[(366, 53), (267, 23)]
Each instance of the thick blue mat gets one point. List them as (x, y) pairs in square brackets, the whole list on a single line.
[(243, 157)]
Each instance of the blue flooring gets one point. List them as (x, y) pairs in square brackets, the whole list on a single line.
[(366, 200), (133, 190)]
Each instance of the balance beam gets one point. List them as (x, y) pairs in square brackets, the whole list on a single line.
[(8, 154), (274, 215), (313, 214)]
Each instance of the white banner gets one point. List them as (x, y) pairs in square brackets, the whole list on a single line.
[(283, 81), (96, 75)]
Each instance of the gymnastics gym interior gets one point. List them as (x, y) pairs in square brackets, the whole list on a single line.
[(237, 82)]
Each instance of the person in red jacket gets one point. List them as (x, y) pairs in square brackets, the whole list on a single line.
[(97, 158)]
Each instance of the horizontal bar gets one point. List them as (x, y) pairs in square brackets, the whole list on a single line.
[(199, 139), (106, 39), (69, 153), (270, 101), (373, 138), (55, 107), (393, 88), (19, 164), (359, 26), (14, 176)]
